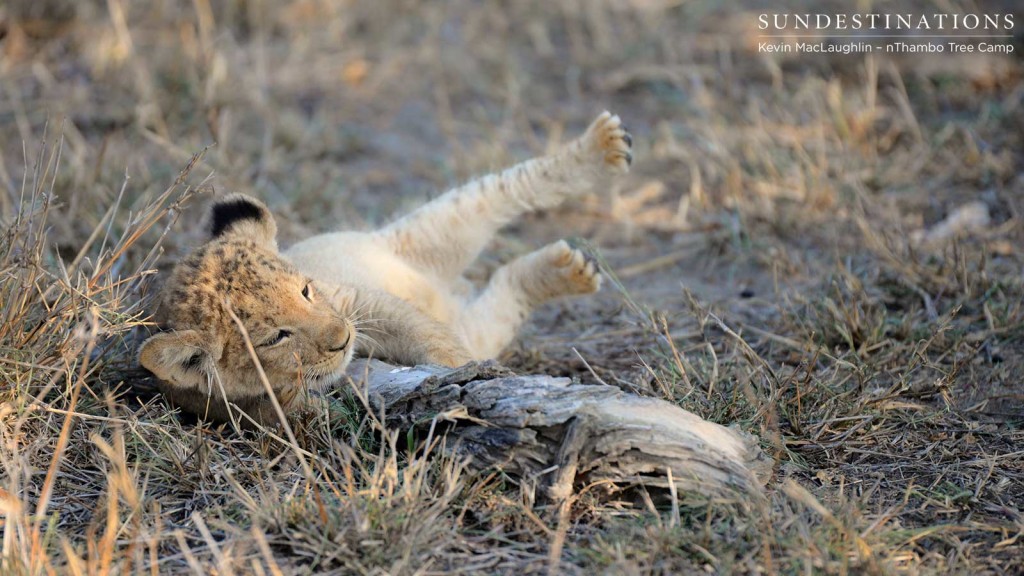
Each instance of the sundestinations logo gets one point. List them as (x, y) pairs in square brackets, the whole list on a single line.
[(892, 33), (918, 22)]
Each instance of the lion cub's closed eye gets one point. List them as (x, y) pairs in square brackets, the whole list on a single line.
[(403, 283)]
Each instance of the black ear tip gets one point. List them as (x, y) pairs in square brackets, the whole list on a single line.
[(193, 361), (232, 210)]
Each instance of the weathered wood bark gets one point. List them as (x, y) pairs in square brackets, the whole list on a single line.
[(562, 435)]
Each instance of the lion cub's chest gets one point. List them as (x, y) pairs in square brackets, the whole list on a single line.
[(356, 259)]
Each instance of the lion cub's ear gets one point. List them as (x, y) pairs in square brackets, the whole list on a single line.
[(183, 358), (239, 214)]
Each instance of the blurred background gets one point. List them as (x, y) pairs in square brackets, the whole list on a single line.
[(855, 219), (750, 166)]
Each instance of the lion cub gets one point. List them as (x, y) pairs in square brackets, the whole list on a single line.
[(396, 293)]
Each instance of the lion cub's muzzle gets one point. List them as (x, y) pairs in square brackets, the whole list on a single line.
[(344, 341)]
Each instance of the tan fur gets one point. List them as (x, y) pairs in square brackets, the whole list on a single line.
[(401, 286)]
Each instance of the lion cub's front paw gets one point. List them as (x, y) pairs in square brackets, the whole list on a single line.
[(451, 356), (608, 140), (570, 270)]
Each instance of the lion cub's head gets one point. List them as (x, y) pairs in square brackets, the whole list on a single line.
[(298, 337)]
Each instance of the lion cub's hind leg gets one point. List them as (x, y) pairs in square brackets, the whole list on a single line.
[(490, 322), (447, 234)]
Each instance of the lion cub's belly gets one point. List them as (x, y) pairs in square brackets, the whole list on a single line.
[(356, 259)]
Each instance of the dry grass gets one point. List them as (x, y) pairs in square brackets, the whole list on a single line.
[(768, 277)]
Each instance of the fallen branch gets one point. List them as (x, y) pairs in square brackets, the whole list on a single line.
[(561, 435)]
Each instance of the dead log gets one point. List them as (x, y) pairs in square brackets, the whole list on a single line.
[(561, 435)]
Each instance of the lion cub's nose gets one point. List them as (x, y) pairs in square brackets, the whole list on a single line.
[(342, 339)]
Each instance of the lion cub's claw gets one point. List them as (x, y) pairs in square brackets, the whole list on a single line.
[(610, 139), (573, 269)]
